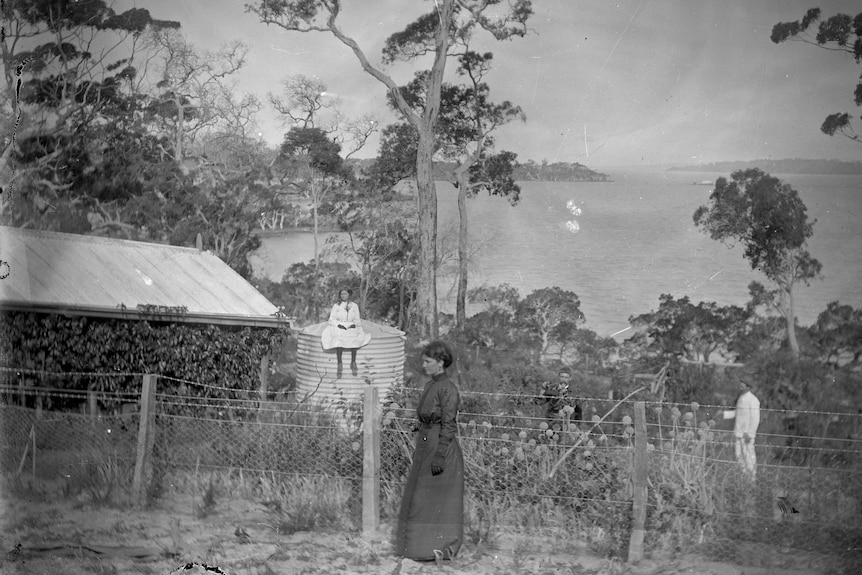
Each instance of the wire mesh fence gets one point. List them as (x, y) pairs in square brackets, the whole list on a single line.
[(525, 472), (199, 429)]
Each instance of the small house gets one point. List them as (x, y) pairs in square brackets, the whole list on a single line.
[(73, 303)]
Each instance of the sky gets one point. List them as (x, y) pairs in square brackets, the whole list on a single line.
[(602, 83)]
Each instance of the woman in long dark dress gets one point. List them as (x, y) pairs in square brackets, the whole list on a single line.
[(431, 520)]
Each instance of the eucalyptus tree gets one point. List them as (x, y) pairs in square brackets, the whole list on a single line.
[(110, 105), (547, 313), (464, 131), (316, 168), (70, 69), (306, 103), (680, 329), (396, 158), (302, 101), (381, 239), (194, 92), (841, 33), (318, 136), (428, 38), (770, 221), (838, 335), (584, 347), (381, 243), (495, 326)]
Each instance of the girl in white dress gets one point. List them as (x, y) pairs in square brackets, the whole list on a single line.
[(344, 330)]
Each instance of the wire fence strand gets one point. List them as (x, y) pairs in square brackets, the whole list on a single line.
[(805, 503)]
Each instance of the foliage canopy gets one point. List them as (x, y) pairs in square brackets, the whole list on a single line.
[(840, 32), (769, 219)]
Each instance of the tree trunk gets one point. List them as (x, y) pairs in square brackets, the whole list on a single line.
[(363, 293), (314, 294), (426, 298), (402, 315), (461, 302), (427, 196), (178, 136), (365, 281), (790, 319), (314, 231)]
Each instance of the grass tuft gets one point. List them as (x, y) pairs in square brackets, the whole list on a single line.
[(306, 502), (207, 503)]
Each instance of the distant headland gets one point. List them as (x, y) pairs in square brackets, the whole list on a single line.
[(557, 172), (786, 166), (529, 171)]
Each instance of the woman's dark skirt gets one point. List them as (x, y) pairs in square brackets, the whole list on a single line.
[(432, 508)]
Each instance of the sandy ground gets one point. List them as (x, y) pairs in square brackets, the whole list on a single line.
[(72, 537)]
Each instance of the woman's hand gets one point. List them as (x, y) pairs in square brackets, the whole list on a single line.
[(437, 464)]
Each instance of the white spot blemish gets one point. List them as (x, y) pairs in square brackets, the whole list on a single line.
[(146, 279), (572, 226)]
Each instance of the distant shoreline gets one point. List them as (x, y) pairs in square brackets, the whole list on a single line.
[(785, 166), (401, 197), (584, 181)]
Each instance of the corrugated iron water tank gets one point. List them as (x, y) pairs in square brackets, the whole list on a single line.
[(380, 363)]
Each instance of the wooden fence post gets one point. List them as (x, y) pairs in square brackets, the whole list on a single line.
[(370, 462), (146, 439), (640, 475), (92, 407), (264, 389)]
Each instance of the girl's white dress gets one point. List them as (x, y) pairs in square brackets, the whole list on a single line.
[(344, 314)]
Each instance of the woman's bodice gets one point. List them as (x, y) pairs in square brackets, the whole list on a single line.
[(439, 402)]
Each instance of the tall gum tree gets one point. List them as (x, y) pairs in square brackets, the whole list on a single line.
[(315, 142), (68, 67), (680, 330), (431, 35), (317, 169), (464, 131), (194, 89), (467, 123), (769, 220), (382, 231), (306, 103), (546, 313), (841, 33)]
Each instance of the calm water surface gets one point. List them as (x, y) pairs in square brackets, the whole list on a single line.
[(620, 245)]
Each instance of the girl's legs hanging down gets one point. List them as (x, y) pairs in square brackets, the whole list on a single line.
[(353, 368), (338, 351)]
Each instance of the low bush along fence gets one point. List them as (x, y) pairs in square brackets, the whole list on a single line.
[(675, 485)]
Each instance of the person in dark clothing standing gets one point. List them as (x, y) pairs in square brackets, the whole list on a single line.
[(557, 398), (431, 519)]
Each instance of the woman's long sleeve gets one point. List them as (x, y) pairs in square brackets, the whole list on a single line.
[(449, 400)]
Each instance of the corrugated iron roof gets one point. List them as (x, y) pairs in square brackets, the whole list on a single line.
[(107, 277)]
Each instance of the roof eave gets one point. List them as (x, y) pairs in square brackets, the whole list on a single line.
[(133, 314)]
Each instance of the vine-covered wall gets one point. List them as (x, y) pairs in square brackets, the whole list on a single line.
[(220, 356)]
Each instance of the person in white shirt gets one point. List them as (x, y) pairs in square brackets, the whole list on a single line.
[(344, 330), (747, 419)]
